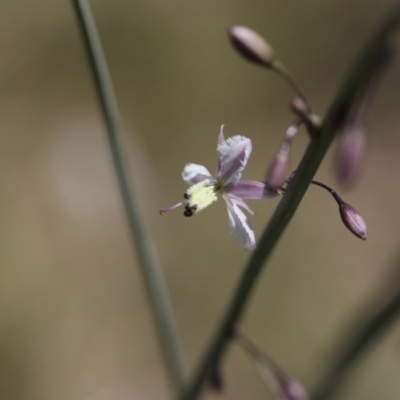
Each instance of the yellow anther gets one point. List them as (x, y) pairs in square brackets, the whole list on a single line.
[(199, 196)]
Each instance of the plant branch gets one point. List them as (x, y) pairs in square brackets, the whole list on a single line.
[(358, 77), (150, 267), (362, 337)]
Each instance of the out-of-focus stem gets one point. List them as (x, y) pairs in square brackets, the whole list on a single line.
[(279, 68), (359, 342), (363, 69), (150, 267)]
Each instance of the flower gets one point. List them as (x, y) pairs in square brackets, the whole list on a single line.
[(233, 154)]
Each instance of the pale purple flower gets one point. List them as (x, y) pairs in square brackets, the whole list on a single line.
[(233, 154)]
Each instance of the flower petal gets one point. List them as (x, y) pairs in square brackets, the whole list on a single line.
[(239, 225), (194, 173), (233, 154), (221, 139), (241, 203), (251, 190)]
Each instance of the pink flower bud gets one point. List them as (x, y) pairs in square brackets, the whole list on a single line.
[(350, 216), (277, 171), (353, 220), (279, 383), (295, 391), (251, 45), (350, 154)]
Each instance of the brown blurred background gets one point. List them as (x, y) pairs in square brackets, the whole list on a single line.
[(74, 320)]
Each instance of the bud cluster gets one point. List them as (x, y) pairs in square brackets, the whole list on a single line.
[(352, 146)]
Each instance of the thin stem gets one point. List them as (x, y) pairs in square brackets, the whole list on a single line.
[(279, 68), (330, 190), (361, 72), (150, 267), (362, 338)]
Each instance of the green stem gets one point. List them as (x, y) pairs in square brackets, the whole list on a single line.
[(279, 68), (363, 337), (150, 267), (362, 71)]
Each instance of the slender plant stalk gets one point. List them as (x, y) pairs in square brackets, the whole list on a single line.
[(279, 68), (360, 75), (153, 277), (362, 337)]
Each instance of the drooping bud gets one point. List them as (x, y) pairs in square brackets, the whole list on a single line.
[(278, 382), (353, 220), (353, 116), (251, 45), (350, 216), (350, 154)]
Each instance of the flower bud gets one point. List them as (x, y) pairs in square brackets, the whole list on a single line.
[(350, 154), (350, 216), (279, 383), (277, 171), (353, 220), (251, 45), (299, 106), (295, 391)]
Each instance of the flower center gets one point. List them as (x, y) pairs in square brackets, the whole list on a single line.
[(199, 196)]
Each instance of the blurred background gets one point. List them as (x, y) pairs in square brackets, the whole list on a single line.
[(74, 320)]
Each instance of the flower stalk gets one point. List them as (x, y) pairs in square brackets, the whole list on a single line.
[(281, 70), (150, 267), (256, 49)]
